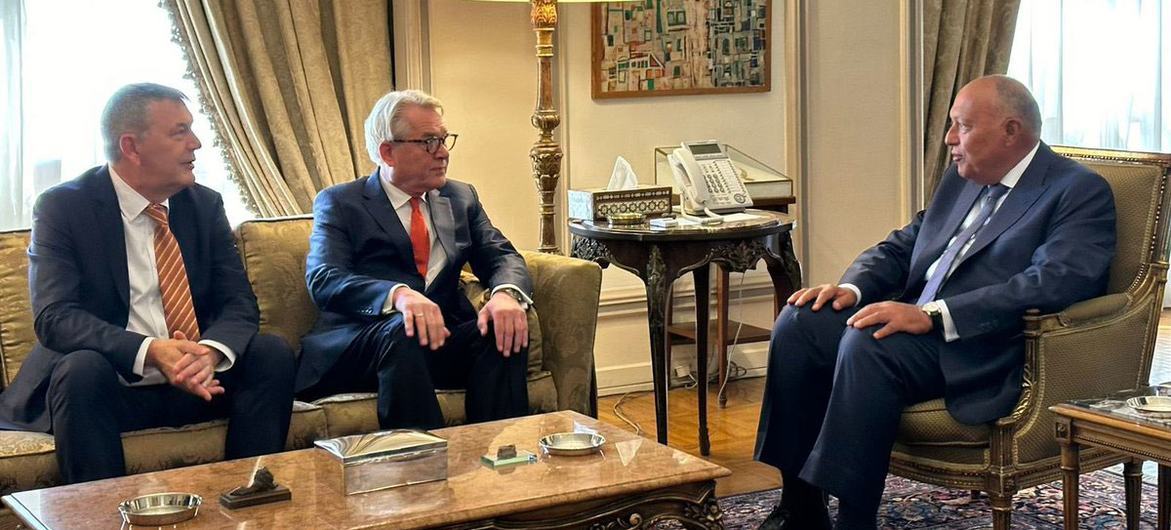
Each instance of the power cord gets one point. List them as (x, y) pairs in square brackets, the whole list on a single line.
[(622, 416), (735, 340)]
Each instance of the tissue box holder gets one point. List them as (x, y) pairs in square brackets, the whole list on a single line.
[(597, 204), (386, 459)]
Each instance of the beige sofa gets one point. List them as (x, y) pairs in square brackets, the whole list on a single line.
[(561, 369)]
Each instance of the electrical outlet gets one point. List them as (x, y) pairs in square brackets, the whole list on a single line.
[(681, 370)]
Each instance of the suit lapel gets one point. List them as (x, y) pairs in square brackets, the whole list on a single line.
[(378, 204), (107, 219), (1028, 189), (444, 223), (938, 242)]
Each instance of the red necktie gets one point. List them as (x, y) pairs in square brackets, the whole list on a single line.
[(420, 239), (178, 310)]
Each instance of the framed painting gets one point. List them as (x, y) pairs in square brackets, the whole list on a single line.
[(677, 47)]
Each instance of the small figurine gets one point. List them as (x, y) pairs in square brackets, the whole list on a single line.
[(505, 452), (262, 489)]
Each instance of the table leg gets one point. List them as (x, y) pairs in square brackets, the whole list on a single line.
[(658, 292), (722, 338), (784, 269), (1132, 473), (1164, 520), (1069, 485), (702, 286)]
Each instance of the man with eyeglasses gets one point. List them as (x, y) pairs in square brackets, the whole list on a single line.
[(383, 267)]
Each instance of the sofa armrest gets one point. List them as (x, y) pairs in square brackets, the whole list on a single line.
[(565, 296)]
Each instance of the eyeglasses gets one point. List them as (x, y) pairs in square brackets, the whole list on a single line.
[(431, 143)]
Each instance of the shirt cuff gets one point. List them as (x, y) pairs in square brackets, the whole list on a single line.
[(525, 301), (949, 326), (855, 289), (388, 305), (140, 357), (229, 356)]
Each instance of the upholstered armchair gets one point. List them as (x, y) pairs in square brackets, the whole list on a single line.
[(1090, 349)]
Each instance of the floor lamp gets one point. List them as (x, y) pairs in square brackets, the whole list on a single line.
[(546, 153)]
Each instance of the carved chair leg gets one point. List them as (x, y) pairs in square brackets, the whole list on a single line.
[(1001, 510)]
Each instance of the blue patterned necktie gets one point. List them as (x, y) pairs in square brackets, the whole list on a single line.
[(991, 195)]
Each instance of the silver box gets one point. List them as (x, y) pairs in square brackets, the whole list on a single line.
[(598, 204), (386, 459)]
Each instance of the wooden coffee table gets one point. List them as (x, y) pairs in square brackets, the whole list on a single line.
[(633, 481)]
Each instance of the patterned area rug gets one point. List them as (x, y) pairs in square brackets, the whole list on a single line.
[(909, 504)]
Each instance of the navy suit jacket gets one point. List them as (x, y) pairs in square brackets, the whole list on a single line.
[(1048, 245), (80, 284), (359, 250)]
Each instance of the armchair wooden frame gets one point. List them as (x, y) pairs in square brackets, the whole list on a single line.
[(1090, 349)]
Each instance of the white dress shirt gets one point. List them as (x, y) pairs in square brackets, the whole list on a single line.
[(401, 202), (146, 301), (1009, 180)]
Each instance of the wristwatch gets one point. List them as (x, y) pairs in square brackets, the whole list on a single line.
[(520, 299), (935, 312)]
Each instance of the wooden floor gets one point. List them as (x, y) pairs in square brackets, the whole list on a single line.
[(733, 429)]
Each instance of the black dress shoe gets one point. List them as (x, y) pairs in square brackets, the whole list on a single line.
[(784, 518)]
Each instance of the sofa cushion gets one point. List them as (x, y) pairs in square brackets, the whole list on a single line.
[(274, 252), (356, 413), (16, 319), (27, 461)]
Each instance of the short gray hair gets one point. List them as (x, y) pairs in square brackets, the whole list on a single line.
[(125, 112), (385, 123)]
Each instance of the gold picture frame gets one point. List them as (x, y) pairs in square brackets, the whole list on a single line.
[(653, 48)]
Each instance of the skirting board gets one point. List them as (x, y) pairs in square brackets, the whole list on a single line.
[(637, 376)]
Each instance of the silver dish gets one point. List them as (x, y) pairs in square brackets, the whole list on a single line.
[(160, 508), (1153, 406), (572, 443)]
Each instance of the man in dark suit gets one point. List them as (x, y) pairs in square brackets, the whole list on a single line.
[(383, 267), (932, 311), (143, 314)]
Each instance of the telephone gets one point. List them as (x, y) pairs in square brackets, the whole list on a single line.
[(707, 180)]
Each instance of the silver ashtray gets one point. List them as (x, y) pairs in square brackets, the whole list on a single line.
[(571, 443), (1153, 406), (160, 508)]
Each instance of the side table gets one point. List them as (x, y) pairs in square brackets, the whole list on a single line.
[(660, 256), (1110, 424)]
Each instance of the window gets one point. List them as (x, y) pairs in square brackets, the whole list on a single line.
[(68, 60), (1099, 70)]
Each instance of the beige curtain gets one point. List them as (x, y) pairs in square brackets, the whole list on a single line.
[(288, 84), (962, 40)]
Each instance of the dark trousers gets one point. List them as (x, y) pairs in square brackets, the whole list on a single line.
[(90, 408), (834, 396), (383, 359)]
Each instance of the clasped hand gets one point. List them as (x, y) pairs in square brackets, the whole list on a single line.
[(893, 316), (512, 325), (187, 364)]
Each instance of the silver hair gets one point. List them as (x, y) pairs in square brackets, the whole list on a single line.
[(125, 113), (385, 123)]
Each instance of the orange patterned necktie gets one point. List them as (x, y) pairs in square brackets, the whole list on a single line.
[(420, 239), (178, 310)]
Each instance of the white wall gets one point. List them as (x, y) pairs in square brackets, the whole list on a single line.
[(483, 67)]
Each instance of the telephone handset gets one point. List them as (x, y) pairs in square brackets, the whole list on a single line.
[(707, 179)]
